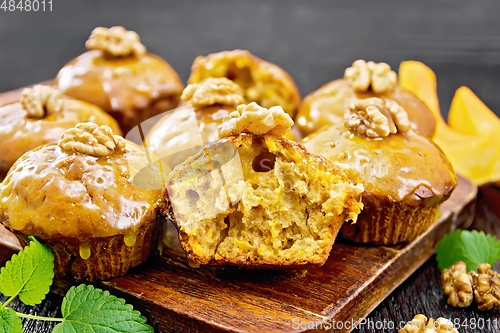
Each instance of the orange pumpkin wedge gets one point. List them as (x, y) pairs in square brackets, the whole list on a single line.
[(469, 115), (475, 156)]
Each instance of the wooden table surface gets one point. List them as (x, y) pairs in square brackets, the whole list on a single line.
[(314, 41)]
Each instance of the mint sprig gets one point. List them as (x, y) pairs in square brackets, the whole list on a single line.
[(87, 309), (10, 322), (471, 247), (29, 275)]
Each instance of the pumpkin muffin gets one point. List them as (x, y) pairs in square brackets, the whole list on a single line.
[(328, 104), (405, 175), (118, 75), (92, 199), (40, 117), (184, 131), (256, 199), (262, 82)]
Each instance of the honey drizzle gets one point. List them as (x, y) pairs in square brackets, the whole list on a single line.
[(130, 237), (85, 251)]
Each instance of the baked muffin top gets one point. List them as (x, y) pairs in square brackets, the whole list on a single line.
[(183, 132), (92, 184), (402, 165), (41, 116), (262, 82), (123, 83), (328, 104), (118, 75)]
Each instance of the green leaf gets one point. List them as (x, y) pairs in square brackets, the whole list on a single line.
[(471, 247), (10, 322), (88, 309), (28, 274)]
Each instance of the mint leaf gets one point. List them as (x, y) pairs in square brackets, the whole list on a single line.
[(28, 274), (10, 322), (471, 247), (88, 309)]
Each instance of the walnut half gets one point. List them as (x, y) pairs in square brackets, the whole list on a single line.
[(91, 139), (364, 74), (213, 91), (375, 117), (41, 100), (420, 324), (457, 285), (252, 118), (116, 41), (486, 287)]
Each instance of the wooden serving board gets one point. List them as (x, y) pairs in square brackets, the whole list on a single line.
[(354, 280)]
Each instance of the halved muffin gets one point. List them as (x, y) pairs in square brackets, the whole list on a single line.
[(40, 117), (327, 105), (256, 199), (92, 199), (262, 82)]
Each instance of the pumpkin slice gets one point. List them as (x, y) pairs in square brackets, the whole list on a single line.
[(476, 157), (469, 115)]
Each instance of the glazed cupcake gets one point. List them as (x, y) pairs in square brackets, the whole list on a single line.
[(118, 75), (262, 82), (405, 175), (92, 199), (256, 199), (184, 131), (328, 104), (40, 117)]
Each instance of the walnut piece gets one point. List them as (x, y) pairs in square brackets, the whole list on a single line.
[(486, 287), (252, 118), (362, 74), (375, 117), (91, 139), (457, 285), (41, 100), (116, 41), (213, 91), (420, 324)]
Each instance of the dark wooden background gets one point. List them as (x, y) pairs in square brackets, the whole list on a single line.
[(314, 41)]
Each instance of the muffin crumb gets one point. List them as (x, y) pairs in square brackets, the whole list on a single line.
[(261, 81), (91, 139), (41, 100), (375, 117), (364, 74), (213, 91), (116, 41), (232, 203), (252, 118)]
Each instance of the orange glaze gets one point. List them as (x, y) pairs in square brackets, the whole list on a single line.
[(20, 133), (328, 104), (131, 89), (51, 194), (405, 166)]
